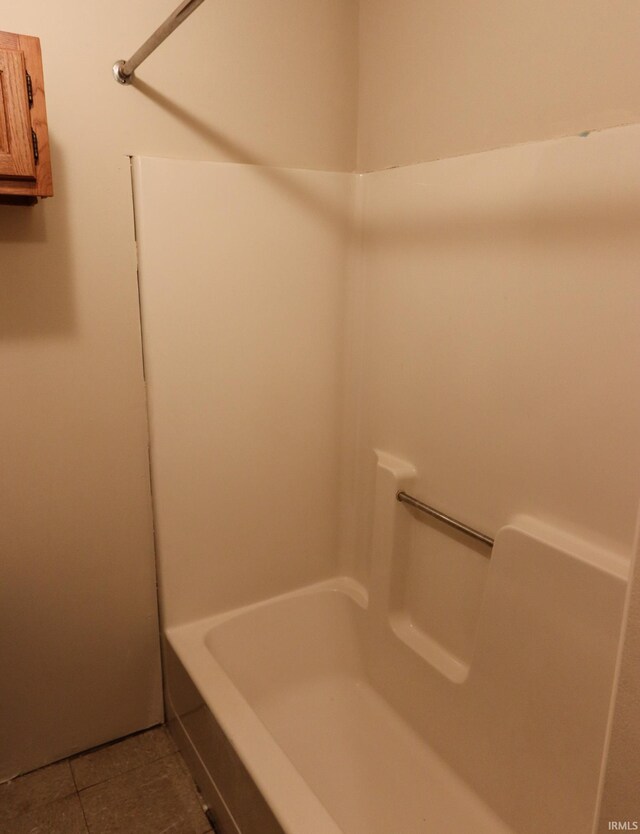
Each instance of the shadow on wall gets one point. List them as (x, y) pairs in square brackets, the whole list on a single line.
[(575, 221), (36, 289), (239, 154)]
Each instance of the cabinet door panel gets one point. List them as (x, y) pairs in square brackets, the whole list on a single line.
[(16, 149)]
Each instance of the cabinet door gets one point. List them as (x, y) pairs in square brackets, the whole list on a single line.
[(16, 148)]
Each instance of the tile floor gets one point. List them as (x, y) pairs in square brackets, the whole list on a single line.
[(139, 785)]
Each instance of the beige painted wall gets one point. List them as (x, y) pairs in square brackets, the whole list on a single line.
[(451, 77), (268, 81)]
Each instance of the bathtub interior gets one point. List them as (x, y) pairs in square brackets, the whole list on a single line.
[(364, 769)]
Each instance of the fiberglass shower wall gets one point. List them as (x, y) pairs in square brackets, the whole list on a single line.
[(242, 296), (479, 326)]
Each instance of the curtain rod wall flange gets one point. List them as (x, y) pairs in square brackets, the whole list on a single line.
[(123, 70)]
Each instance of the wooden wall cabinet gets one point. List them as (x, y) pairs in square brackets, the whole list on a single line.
[(25, 159)]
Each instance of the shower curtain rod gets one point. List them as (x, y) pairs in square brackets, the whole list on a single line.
[(123, 70)]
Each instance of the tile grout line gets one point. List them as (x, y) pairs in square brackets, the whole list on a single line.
[(73, 775), (84, 816), (77, 793)]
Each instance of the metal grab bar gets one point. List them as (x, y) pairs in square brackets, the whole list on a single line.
[(404, 498), (123, 70)]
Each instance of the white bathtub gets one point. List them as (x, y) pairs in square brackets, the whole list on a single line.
[(332, 710), (287, 681)]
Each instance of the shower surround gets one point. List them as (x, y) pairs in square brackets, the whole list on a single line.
[(463, 329)]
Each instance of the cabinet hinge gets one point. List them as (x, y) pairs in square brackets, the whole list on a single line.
[(29, 89), (34, 140)]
